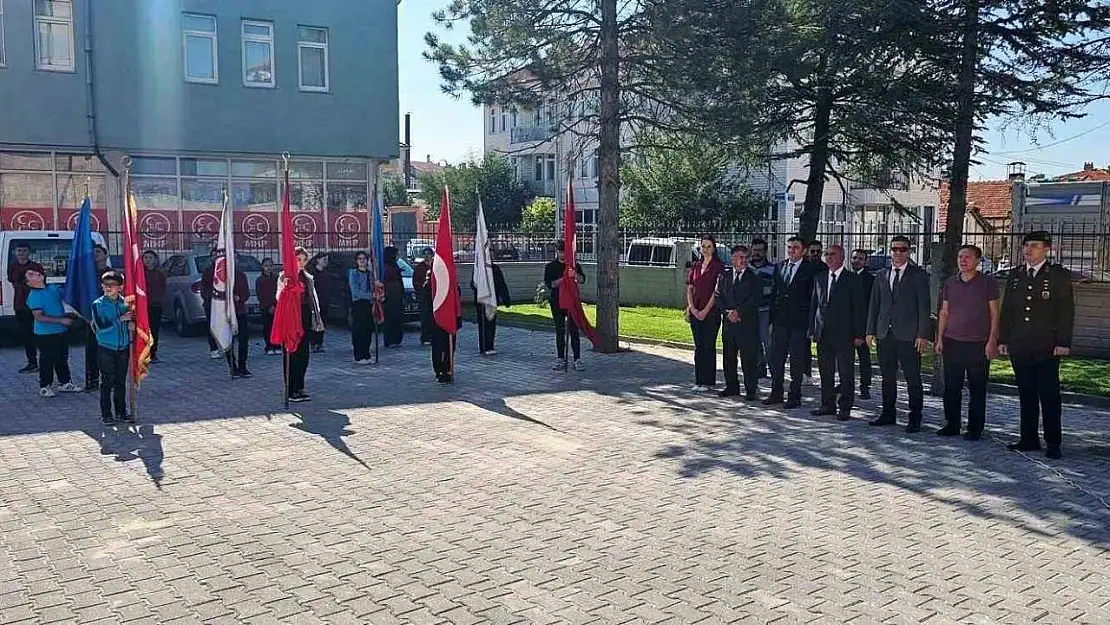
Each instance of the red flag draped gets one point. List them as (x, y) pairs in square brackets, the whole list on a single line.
[(445, 281), (287, 330), (570, 299), (135, 287)]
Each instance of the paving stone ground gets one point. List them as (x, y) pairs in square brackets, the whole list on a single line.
[(521, 495)]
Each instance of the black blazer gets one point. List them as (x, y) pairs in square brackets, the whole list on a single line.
[(867, 282), (838, 317), (1037, 316), (790, 302), (907, 316), (500, 288), (744, 297)]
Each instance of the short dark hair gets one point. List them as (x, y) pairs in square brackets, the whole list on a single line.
[(1038, 235), (796, 238), (298, 251), (560, 244), (151, 252), (739, 248), (111, 276), (362, 253), (901, 238), (860, 250), (427, 250), (975, 249), (816, 242), (22, 245), (101, 248), (758, 241)]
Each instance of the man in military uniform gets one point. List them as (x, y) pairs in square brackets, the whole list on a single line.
[(1038, 316)]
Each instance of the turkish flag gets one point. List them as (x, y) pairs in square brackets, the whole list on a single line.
[(570, 299), (287, 330), (445, 281)]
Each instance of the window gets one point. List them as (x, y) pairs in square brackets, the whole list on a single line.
[(492, 120), (1, 33), (551, 167), (516, 115), (539, 168), (596, 166), (504, 119), (200, 48), (258, 54), (54, 35), (312, 55), (584, 168)]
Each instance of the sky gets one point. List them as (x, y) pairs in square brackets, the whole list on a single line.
[(449, 129)]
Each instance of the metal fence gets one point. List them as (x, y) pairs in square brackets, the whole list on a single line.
[(1084, 249)]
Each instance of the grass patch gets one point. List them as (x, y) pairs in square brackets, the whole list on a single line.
[(1079, 375)]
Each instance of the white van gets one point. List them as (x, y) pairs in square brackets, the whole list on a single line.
[(49, 248), (668, 252)]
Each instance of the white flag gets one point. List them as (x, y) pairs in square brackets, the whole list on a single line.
[(483, 267), (224, 325)]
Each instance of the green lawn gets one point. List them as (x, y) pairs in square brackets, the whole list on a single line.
[(1080, 375)]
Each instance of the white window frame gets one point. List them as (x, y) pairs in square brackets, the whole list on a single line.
[(244, 38), (1, 33), (492, 120), (62, 21), (214, 41), (327, 60)]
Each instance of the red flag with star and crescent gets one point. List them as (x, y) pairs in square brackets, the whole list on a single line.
[(445, 281), (570, 299), (135, 290)]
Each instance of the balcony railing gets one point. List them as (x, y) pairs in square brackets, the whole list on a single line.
[(532, 134), (543, 188)]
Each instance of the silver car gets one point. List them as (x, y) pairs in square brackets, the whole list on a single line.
[(183, 304)]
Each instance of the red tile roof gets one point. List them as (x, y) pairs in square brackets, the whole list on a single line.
[(1087, 175), (990, 197)]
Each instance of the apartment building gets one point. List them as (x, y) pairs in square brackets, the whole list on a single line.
[(200, 95)]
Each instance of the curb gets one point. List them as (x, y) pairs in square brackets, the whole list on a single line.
[(998, 388)]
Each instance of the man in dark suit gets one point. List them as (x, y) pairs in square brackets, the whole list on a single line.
[(790, 318), (898, 318), (1038, 320), (838, 319), (860, 266), (739, 292)]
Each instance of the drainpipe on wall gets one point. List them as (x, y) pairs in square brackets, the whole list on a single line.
[(90, 91)]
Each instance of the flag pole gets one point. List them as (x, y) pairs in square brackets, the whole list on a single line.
[(133, 390), (284, 351), (229, 298)]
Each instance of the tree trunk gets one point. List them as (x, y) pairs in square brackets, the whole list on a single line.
[(818, 163), (961, 160), (608, 236)]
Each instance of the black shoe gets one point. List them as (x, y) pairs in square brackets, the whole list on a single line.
[(973, 436), (949, 430), (773, 400), (299, 397), (823, 412), (1053, 453), (107, 420), (30, 368), (440, 377), (128, 419), (843, 415), (243, 373), (1023, 447), (913, 428), (749, 396), (448, 378), (792, 404), (729, 392), (864, 393), (92, 386), (883, 421)]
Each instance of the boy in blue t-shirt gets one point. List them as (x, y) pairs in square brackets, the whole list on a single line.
[(111, 322), (51, 322)]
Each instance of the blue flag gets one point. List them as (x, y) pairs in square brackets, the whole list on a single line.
[(377, 240), (82, 284)]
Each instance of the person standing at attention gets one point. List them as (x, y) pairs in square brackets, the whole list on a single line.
[(206, 289), (361, 286), (421, 281), (156, 294), (487, 328), (111, 318), (311, 321), (265, 287), (861, 262), (238, 366), (318, 268), (394, 286), (790, 320), (17, 272), (967, 340), (839, 313), (554, 273), (898, 319), (702, 313), (92, 354), (765, 269), (1038, 320), (50, 325), (739, 291)]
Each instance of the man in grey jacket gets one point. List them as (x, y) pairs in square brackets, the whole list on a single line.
[(898, 319)]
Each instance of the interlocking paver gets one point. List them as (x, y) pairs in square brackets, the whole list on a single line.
[(522, 495)]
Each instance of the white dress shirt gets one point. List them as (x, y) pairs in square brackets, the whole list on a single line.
[(1036, 268), (901, 273)]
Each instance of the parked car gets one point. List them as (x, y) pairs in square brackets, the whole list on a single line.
[(339, 306), (415, 247), (49, 248), (183, 304)]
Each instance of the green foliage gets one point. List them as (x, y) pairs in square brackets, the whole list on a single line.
[(688, 182), (503, 197), (539, 216), (394, 190)]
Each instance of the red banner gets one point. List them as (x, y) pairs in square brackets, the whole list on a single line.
[(348, 231), (98, 219), (19, 218)]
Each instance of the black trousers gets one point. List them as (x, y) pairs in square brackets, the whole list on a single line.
[(298, 366), (863, 353), (53, 358), (564, 324), (26, 320), (792, 343), (212, 346), (424, 298), (362, 328), (92, 358), (964, 359), (487, 329), (441, 343), (742, 339), (113, 368), (155, 315), (895, 354), (705, 348), (267, 328), (394, 331), (1038, 382), (837, 358), (243, 340)]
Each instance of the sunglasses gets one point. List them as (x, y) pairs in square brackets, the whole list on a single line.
[(900, 249)]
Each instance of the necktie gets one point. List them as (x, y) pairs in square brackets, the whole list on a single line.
[(789, 272), (832, 283), (1032, 274), (897, 279)]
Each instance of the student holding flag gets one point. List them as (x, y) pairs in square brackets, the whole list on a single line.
[(224, 320), (360, 282), (302, 284), (51, 322), (111, 315), (490, 289), (446, 296)]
